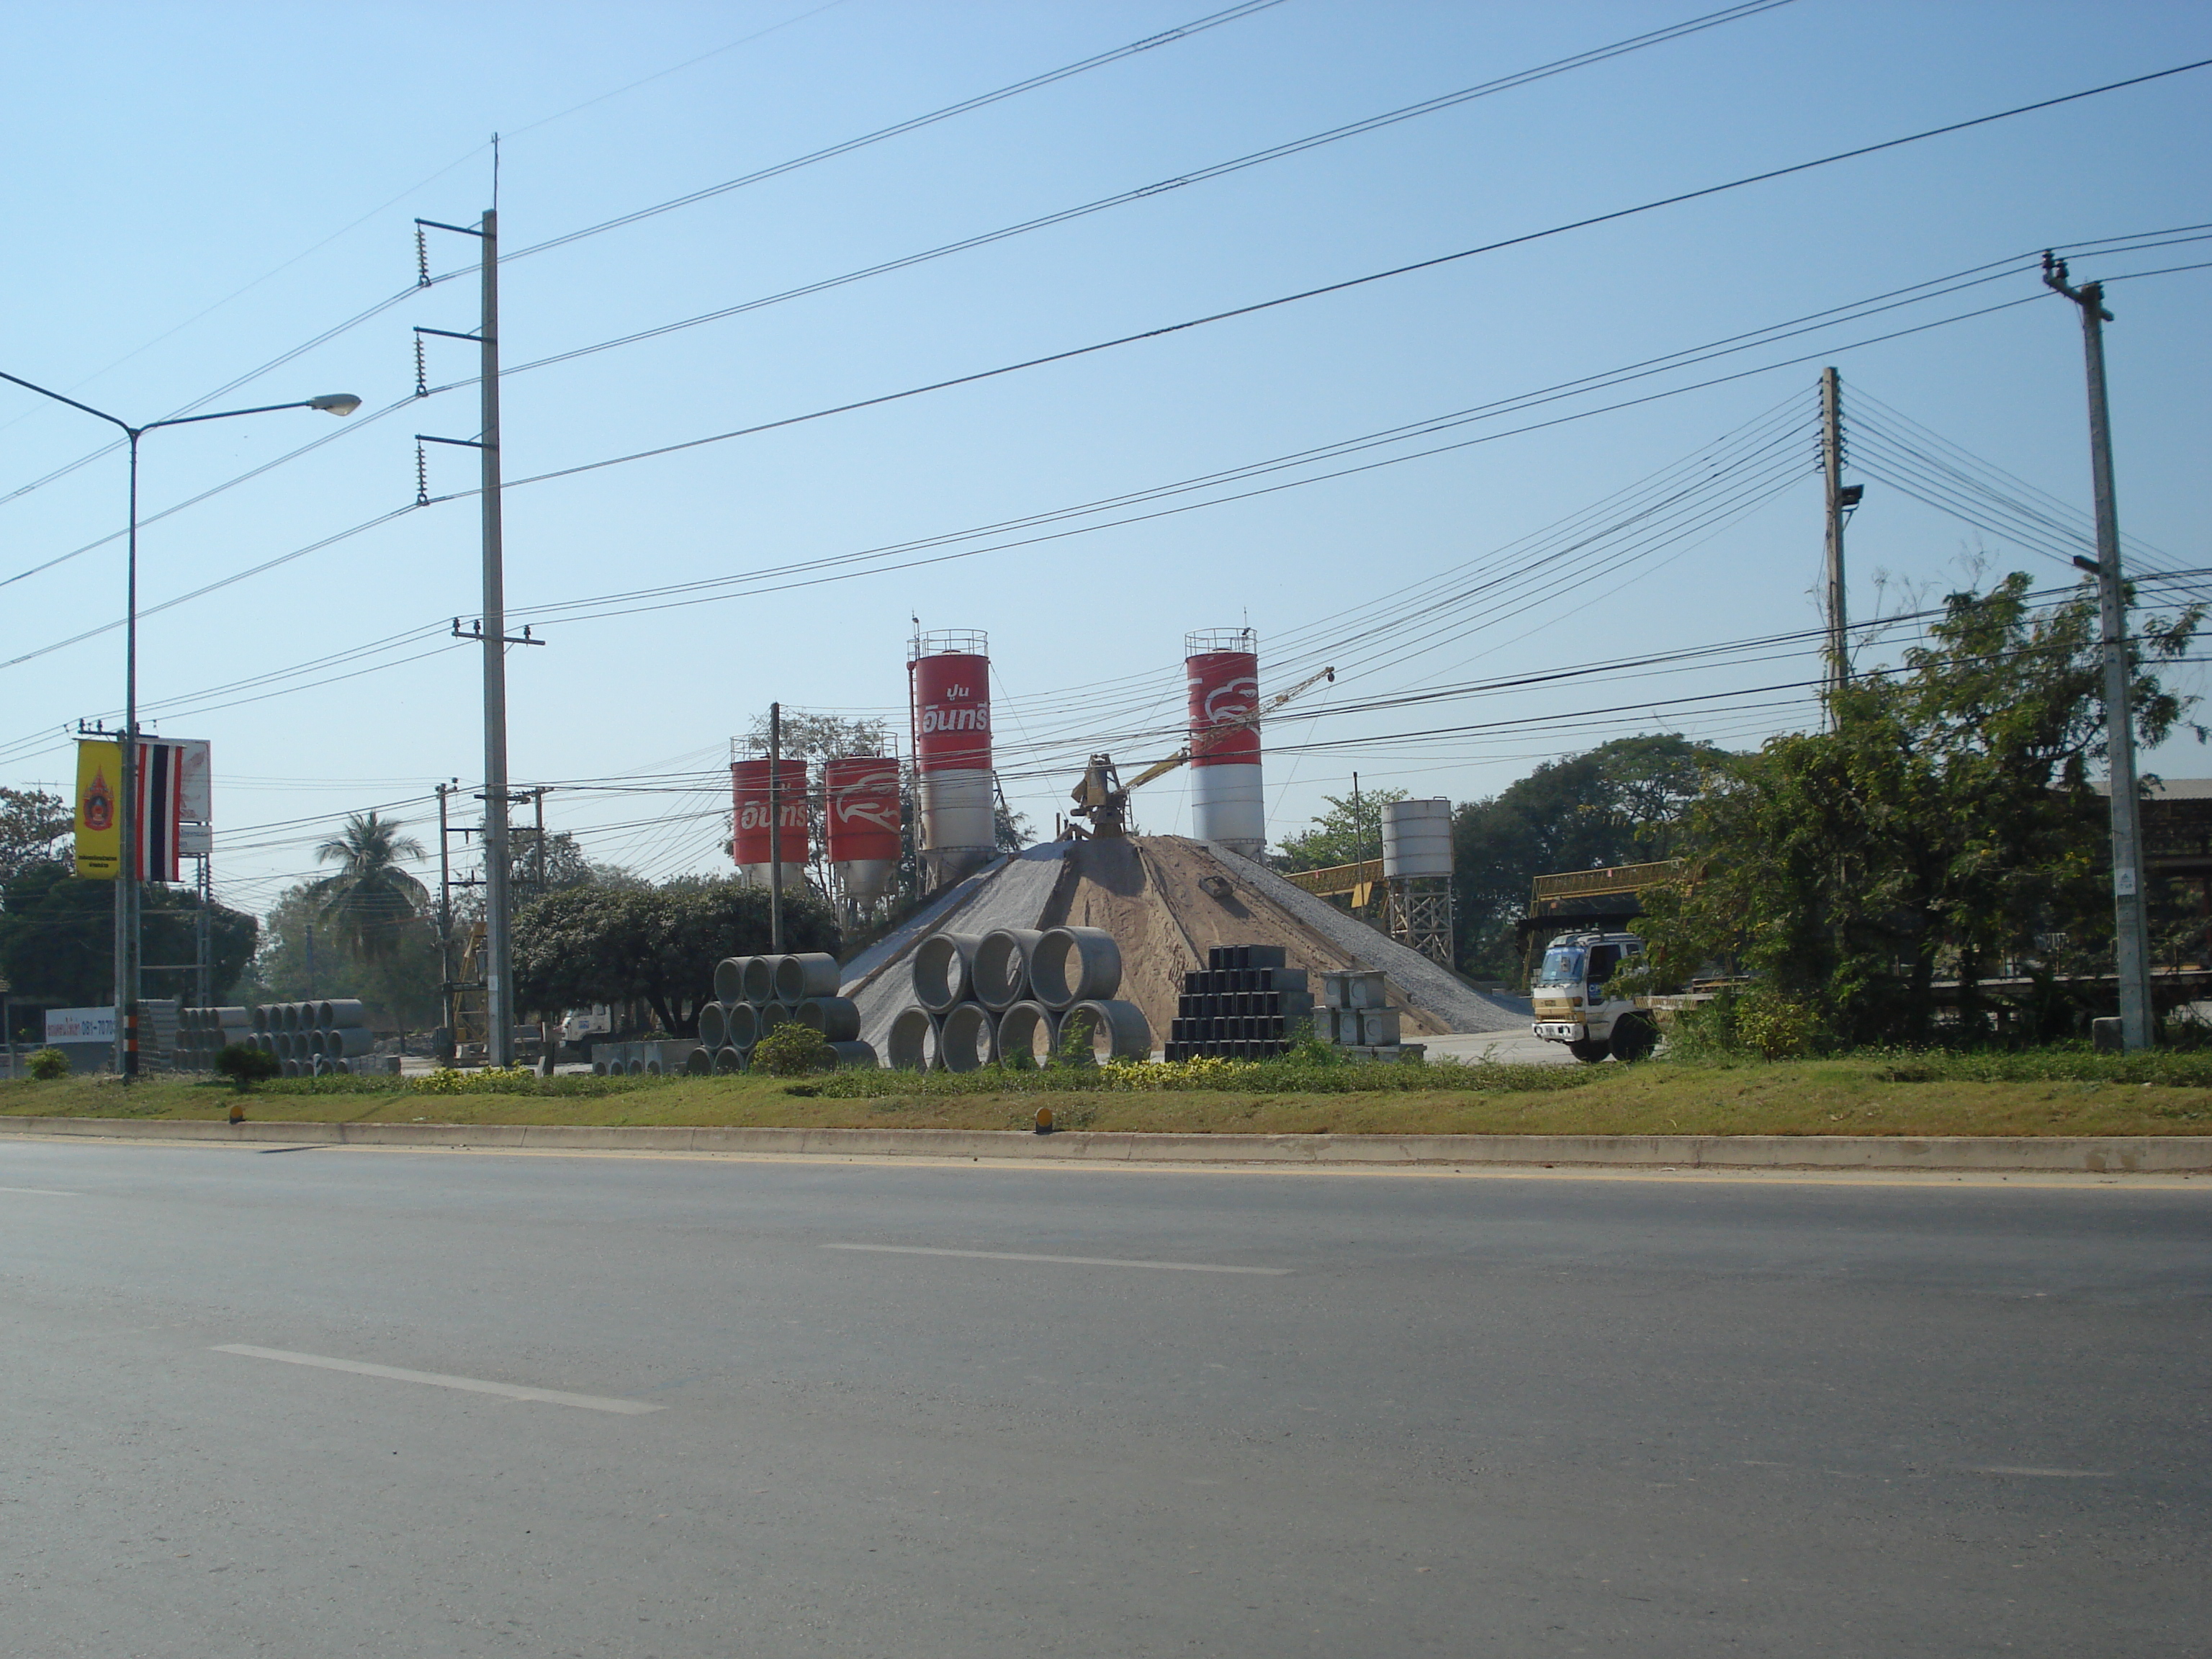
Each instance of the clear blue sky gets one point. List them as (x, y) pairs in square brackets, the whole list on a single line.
[(196, 190)]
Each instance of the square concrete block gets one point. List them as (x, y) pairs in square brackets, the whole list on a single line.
[(1353, 988), (1378, 1027)]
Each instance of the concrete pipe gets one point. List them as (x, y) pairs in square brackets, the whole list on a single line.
[(913, 1040), (760, 979), (260, 1015), (291, 1069), (814, 974), (280, 1044), (838, 1018), (741, 1025), (322, 1065), (344, 1012), (1074, 964), (1117, 1030), (728, 1061), (700, 1062), (308, 1045), (713, 1027), (943, 969), (264, 1042), (348, 1041), (967, 1039), (1028, 1029), (730, 979), (1002, 966), (856, 1056), (767, 1017)]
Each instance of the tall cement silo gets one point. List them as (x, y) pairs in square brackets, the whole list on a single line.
[(1222, 667), (861, 803), (950, 675), (749, 781)]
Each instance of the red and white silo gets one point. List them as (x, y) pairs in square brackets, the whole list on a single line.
[(1221, 667), (950, 675), (749, 780), (860, 800)]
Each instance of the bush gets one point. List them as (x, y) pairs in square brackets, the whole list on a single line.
[(47, 1064), (1775, 1027), (246, 1065), (793, 1050)]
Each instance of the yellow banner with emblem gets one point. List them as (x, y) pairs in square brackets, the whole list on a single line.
[(99, 809)]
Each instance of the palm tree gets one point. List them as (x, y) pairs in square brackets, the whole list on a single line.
[(370, 897)]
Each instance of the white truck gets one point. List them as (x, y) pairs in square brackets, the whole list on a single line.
[(1573, 1004)]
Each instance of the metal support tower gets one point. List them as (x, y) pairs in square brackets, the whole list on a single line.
[(1420, 915)]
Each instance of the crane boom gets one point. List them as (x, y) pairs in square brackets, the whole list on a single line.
[(1103, 798)]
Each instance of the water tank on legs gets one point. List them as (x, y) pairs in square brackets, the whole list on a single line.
[(951, 673), (1222, 668)]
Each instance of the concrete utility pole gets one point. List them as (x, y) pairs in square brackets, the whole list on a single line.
[(499, 979), (1832, 471), (2130, 928), (775, 827)]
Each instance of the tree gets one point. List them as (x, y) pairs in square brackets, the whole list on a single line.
[(370, 899), (302, 956), (1616, 804), (654, 944), (31, 822), (1944, 823), (57, 937), (1349, 832)]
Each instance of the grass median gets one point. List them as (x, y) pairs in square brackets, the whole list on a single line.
[(2060, 1092)]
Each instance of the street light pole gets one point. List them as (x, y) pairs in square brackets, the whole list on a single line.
[(126, 871)]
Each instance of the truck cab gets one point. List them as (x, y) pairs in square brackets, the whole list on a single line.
[(1574, 1004)]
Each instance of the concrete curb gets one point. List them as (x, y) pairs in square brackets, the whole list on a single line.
[(2100, 1155)]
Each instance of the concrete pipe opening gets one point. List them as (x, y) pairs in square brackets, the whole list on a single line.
[(260, 1017), (740, 1025), (838, 1018), (316, 1047), (291, 1069), (1002, 966), (635, 1068), (1106, 1030), (728, 1061), (913, 1040), (1029, 1034), (856, 1056), (760, 979), (700, 1062), (1074, 964), (713, 1027), (316, 1015), (943, 969), (598, 1068), (811, 975), (653, 1068), (967, 1039), (767, 1017), (730, 979)]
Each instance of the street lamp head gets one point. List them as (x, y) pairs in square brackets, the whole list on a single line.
[(335, 403)]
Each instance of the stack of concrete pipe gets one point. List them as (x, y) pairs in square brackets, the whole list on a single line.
[(753, 995), (1015, 993), (316, 1039), (204, 1033)]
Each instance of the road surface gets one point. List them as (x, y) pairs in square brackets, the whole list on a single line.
[(332, 1402)]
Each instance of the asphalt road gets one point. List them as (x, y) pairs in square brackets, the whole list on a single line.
[(1473, 1414)]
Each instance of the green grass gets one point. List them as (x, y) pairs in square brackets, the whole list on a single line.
[(2061, 1090)]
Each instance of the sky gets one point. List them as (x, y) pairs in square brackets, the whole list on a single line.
[(198, 193)]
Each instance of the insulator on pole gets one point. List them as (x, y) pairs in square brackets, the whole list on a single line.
[(421, 478), (422, 376), (421, 259)]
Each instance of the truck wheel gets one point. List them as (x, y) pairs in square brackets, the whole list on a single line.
[(1633, 1038), (1588, 1052)]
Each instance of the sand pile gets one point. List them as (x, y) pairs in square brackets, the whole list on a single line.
[(1167, 901)]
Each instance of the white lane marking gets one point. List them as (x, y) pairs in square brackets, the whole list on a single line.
[(2044, 1474), (1071, 1260), (472, 1385), (44, 1192)]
